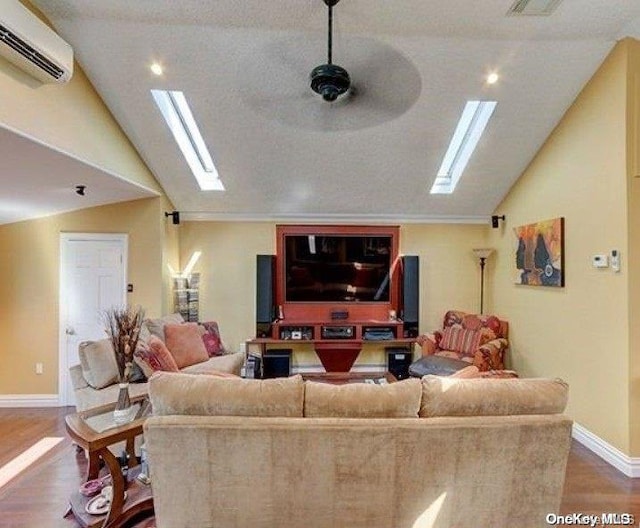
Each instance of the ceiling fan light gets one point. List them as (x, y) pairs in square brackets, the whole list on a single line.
[(330, 81)]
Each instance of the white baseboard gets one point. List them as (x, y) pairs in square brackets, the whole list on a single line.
[(630, 466), (29, 400), (312, 369)]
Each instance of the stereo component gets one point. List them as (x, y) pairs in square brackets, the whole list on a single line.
[(338, 332)]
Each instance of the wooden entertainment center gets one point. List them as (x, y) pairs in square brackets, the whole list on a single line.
[(336, 288)]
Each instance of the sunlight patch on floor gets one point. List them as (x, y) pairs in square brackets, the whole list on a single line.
[(428, 517), (26, 458)]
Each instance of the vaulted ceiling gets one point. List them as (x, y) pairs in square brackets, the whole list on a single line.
[(284, 153)]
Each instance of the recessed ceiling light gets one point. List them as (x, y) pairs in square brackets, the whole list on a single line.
[(474, 119), (492, 78), (156, 68), (177, 114)]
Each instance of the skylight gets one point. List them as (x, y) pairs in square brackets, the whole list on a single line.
[(473, 121), (177, 114)]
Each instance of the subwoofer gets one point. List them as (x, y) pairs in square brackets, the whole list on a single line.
[(398, 361), (265, 294), (276, 363), (409, 312)]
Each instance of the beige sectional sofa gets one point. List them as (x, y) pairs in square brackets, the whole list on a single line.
[(94, 380), (430, 453)]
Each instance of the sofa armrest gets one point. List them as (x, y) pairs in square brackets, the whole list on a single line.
[(490, 356), (77, 379), (429, 343)]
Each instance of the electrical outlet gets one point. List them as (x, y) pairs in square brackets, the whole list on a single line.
[(39, 368)]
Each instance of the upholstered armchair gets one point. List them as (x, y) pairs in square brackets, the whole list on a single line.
[(465, 339)]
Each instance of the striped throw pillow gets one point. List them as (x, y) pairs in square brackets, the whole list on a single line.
[(460, 340)]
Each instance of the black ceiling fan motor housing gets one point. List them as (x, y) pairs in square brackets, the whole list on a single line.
[(330, 81)]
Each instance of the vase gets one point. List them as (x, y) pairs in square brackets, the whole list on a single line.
[(122, 412)]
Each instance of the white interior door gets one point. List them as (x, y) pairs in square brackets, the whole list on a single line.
[(92, 280)]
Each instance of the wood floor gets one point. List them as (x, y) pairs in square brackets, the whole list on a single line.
[(37, 497)]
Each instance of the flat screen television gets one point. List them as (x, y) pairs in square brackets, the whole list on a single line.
[(337, 268)]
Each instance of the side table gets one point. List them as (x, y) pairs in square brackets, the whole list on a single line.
[(96, 443)]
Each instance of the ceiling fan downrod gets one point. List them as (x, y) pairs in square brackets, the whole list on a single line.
[(330, 80)]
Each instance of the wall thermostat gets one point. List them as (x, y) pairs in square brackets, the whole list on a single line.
[(600, 261)]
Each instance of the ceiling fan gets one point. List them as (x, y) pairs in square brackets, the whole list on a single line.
[(273, 80), (330, 80)]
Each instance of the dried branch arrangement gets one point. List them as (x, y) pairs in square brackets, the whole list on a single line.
[(123, 328)]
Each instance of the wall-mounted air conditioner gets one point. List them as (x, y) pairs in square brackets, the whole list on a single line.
[(33, 46)]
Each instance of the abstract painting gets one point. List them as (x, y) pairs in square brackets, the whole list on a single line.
[(539, 253)]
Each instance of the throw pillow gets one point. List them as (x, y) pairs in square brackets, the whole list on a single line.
[(437, 365), (185, 344), (153, 356), (460, 340), (156, 326), (98, 363), (211, 339)]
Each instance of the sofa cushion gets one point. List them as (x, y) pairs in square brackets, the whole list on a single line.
[(153, 356), (363, 400), (231, 363), (98, 362), (492, 397), (213, 396), (185, 344), (156, 326), (437, 365)]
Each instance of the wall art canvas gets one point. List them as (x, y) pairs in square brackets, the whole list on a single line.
[(539, 253)]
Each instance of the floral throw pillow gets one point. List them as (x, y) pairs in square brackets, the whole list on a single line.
[(153, 356), (211, 339)]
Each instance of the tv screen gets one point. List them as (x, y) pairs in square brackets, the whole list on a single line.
[(337, 268)]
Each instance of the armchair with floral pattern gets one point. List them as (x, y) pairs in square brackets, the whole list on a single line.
[(476, 339)]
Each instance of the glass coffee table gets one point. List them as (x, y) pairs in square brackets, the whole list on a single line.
[(341, 378), (94, 430)]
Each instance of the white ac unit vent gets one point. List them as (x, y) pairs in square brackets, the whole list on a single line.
[(533, 7), (33, 46)]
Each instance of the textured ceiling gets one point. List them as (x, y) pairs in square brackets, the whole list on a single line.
[(284, 153)]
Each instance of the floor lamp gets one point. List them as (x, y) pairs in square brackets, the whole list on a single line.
[(482, 254)]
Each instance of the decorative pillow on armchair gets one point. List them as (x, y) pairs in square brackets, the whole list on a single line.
[(211, 338), (153, 356)]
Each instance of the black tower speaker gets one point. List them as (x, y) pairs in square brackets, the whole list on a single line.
[(410, 295), (398, 361), (276, 363), (265, 294)]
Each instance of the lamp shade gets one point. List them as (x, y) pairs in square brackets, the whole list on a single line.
[(483, 252)]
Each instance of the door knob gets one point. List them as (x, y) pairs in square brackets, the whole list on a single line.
[(70, 331)]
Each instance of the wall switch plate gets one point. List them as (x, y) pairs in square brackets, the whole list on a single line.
[(39, 368), (600, 261)]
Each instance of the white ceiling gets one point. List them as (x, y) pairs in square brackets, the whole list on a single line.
[(37, 181), (284, 153)]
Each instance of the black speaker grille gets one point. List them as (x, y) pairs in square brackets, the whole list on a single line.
[(265, 286)]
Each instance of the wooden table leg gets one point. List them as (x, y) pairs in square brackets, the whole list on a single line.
[(133, 460), (93, 468), (118, 487)]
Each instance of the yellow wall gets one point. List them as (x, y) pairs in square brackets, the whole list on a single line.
[(29, 288), (449, 273), (71, 118), (579, 332)]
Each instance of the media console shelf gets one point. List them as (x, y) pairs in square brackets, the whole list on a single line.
[(337, 343)]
